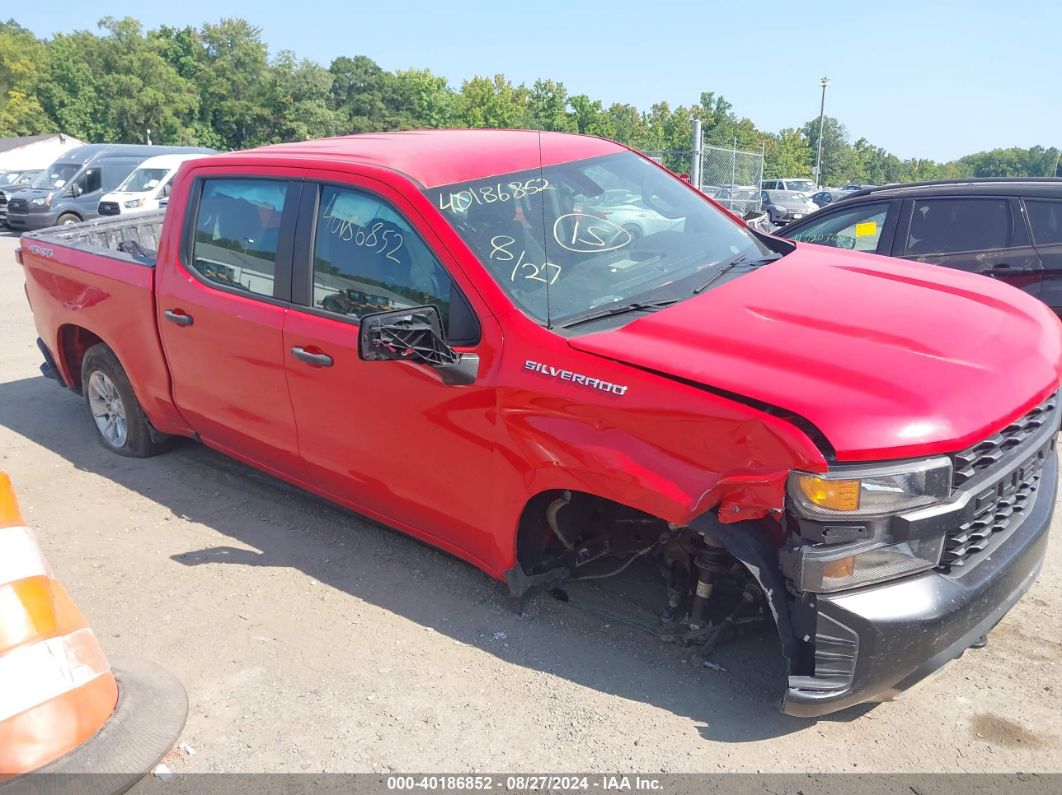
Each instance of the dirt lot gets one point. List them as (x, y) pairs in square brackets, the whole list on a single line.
[(310, 639)]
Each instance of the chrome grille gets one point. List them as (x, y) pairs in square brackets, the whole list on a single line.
[(995, 450)]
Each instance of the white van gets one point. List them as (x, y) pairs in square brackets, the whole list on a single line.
[(145, 187)]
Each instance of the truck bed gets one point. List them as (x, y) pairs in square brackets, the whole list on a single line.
[(134, 239)]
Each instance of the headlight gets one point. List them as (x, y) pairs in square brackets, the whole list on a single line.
[(860, 500), (133, 203), (871, 491), (41, 201)]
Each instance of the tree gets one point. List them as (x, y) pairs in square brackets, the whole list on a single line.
[(547, 107), (20, 110), (231, 77), (589, 117), (359, 93), (425, 99), (838, 162), (486, 102), (300, 94), (787, 155)]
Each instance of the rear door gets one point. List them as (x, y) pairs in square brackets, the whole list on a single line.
[(221, 311), (388, 437), (1045, 223), (980, 234)]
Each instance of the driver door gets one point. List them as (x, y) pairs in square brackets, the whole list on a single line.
[(388, 438), (868, 227)]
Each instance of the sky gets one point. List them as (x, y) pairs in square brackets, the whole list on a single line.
[(921, 79)]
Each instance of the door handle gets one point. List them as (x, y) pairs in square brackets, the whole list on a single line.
[(178, 316), (316, 359), (1000, 267)]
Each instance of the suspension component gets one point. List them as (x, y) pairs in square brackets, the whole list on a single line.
[(710, 563)]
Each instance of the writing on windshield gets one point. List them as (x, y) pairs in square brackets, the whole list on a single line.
[(566, 239)]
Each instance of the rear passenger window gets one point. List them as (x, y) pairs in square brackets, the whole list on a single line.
[(237, 230), (367, 259), (945, 226), (1045, 218)]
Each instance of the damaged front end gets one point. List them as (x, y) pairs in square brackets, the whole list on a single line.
[(892, 571), (875, 576)]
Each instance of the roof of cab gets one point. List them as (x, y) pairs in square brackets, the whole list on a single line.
[(444, 157)]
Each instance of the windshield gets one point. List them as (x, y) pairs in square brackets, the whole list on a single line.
[(57, 175), (802, 185), (617, 229), (143, 180)]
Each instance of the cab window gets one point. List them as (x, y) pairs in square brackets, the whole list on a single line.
[(367, 259), (237, 231), (90, 181), (857, 228)]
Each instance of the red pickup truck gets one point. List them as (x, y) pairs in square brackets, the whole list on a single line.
[(551, 357)]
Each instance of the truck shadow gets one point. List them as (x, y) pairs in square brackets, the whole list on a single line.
[(286, 527)]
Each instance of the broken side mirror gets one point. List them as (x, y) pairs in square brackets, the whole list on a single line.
[(414, 335)]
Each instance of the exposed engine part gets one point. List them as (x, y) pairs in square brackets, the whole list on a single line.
[(709, 592)]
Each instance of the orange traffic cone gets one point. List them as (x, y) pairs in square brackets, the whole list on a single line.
[(63, 710)]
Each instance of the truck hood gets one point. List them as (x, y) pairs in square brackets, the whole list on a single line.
[(886, 358)]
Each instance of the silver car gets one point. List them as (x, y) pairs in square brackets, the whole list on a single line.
[(784, 206)]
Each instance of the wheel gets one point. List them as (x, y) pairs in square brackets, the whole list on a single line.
[(66, 219), (633, 231), (120, 422)]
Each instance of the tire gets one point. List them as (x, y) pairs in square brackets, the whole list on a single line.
[(121, 426), (66, 219)]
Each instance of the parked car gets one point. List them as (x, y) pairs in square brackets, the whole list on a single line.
[(784, 206), (851, 186), (857, 448), (828, 196), (739, 198), (70, 189), (145, 188), (798, 184), (11, 181), (625, 213), (1009, 229)]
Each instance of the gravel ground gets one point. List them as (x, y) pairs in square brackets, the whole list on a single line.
[(310, 639)]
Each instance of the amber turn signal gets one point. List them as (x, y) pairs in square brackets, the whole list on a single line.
[(836, 495)]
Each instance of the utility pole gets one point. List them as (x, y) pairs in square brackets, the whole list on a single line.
[(695, 164), (822, 120)]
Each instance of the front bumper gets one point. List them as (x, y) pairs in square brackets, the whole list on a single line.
[(31, 221), (872, 643)]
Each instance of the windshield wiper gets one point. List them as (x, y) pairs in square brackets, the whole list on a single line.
[(620, 309), (740, 259)]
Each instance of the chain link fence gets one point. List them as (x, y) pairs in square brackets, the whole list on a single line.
[(732, 177), (729, 175)]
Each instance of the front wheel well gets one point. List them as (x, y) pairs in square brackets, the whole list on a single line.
[(74, 342), (564, 517)]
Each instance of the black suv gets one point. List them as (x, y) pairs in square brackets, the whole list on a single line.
[(1009, 229)]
